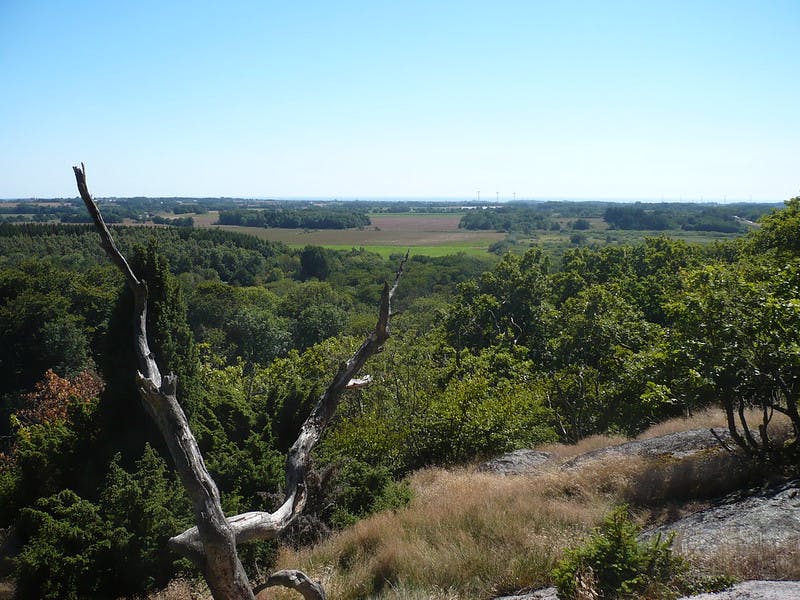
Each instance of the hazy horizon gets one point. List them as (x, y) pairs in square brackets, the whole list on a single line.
[(421, 199)]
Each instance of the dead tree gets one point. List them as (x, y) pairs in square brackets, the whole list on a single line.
[(211, 544)]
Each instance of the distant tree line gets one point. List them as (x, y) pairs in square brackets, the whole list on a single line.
[(311, 218), (523, 219), (526, 217), (689, 217)]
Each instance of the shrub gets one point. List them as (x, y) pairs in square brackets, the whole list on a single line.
[(69, 549), (614, 564), (361, 489)]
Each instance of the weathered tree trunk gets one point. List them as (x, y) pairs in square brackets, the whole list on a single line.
[(211, 544)]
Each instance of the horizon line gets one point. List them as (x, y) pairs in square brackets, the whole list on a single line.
[(408, 198)]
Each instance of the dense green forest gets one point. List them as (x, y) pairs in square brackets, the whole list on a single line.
[(487, 355)]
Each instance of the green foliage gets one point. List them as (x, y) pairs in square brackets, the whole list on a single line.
[(487, 355), (736, 341), (125, 425), (235, 434), (581, 224), (74, 548), (239, 322), (289, 388), (780, 230), (430, 410), (513, 217), (660, 217), (48, 319), (647, 274), (360, 489), (259, 335), (306, 218), (507, 305), (144, 508), (605, 355), (47, 457), (168, 332), (614, 564), (69, 549), (314, 263), (317, 312)]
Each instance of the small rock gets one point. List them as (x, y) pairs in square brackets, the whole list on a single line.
[(518, 462), (542, 594)]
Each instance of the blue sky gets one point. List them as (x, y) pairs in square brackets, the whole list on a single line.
[(639, 100)]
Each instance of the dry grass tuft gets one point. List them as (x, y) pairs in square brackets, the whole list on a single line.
[(704, 419), (754, 561), (465, 535), (7, 589), (595, 442), (715, 418), (182, 589)]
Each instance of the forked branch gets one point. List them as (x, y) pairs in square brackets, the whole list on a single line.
[(211, 544)]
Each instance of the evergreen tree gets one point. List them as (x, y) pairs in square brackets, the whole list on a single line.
[(123, 419)]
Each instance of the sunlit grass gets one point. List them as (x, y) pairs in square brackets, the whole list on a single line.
[(469, 534)]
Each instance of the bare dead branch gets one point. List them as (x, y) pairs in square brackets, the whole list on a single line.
[(721, 441), (296, 580), (265, 526), (359, 382), (147, 363), (211, 544), (216, 555)]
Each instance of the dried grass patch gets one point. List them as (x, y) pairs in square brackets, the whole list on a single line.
[(754, 561), (469, 534), (589, 444), (465, 535), (182, 589), (704, 419)]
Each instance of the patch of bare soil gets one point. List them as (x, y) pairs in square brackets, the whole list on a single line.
[(421, 223)]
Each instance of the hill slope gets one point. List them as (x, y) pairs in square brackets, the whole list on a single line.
[(475, 533)]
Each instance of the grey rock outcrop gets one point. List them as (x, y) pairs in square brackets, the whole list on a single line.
[(675, 445), (766, 518), (756, 590), (542, 594), (518, 462), (747, 590)]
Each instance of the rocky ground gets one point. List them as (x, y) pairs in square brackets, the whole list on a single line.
[(768, 518), (747, 590)]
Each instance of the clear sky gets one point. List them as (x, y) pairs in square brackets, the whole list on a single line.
[(542, 99)]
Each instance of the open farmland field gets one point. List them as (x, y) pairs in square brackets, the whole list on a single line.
[(437, 234), (433, 234)]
